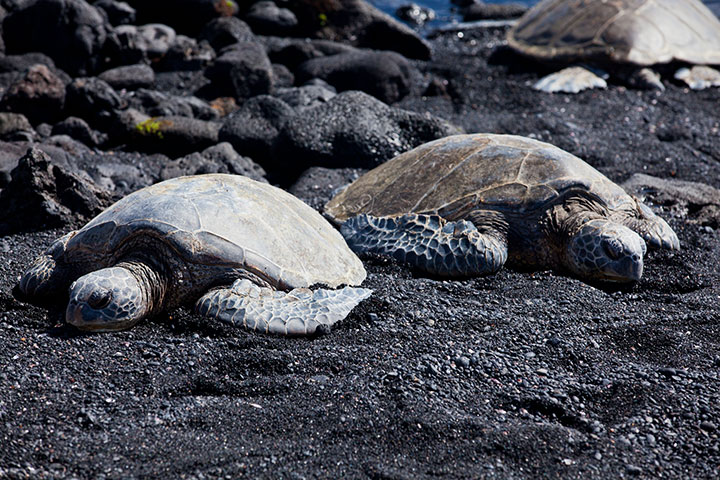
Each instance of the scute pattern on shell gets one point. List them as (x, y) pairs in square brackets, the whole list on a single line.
[(642, 32), (500, 172), (226, 220)]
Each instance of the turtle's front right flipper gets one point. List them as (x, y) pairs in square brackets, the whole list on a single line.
[(297, 312), (48, 276), (429, 243)]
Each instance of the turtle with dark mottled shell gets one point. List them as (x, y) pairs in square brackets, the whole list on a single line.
[(467, 204), (245, 252), (623, 37)]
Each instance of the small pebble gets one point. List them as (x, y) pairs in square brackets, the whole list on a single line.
[(708, 426)]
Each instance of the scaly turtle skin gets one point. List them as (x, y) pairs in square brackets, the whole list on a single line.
[(467, 204), (618, 34), (244, 251)]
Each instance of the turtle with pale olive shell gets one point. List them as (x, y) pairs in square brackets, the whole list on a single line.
[(245, 252), (623, 37), (467, 204)]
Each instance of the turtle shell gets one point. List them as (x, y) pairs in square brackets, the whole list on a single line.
[(505, 173), (642, 32), (223, 220)]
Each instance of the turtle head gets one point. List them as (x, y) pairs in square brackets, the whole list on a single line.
[(606, 251), (106, 300)]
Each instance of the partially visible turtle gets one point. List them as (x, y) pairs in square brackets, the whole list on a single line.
[(187, 240), (622, 36), (467, 204)]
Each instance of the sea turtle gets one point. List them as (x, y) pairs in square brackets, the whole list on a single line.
[(622, 36), (467, 204), (243, 251)]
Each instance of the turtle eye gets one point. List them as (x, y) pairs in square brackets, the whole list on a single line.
[(613, 249), (100, 299)]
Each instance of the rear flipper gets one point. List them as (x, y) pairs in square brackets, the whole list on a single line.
[(297, 312), (428, 242), (699, 77), (570, 80)]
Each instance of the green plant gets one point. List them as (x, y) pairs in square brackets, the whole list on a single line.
[(150, 127)]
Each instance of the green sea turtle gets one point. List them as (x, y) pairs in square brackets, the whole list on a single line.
[(622, 37), (467, 204), (243, 251)]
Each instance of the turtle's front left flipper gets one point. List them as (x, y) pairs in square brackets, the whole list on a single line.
[(429, 243), (297, 312)]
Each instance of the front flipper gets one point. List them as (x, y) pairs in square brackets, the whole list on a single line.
[(428, 242), (570, 80), (297, 312), (48, 276)]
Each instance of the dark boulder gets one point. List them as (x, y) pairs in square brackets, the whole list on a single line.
[(130, 44), (185, 16), (184, 54), (266, 18), (242, 70), (173, 135), (78, 129), (117, 13), (39, 95), (159, 104), (353, 129), (42, 194), (317, 185), (358, 22), (224, 31), (15, 127), (384, 75), (292, 53), (129, 77), (220, 158), (71, 32), (93, 100), (305, 96), (253, 128)]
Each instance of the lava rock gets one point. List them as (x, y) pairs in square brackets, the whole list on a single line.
[(39, 95), (306, 96), (78, 129), (10, 153), (317, 185), (130, 77), (129, 44), (353, 129), (224, 31), (242, 70), (186, 54), (185, 16), (266, 18), (254, 127), (220, 158), (118, 13), (71, 32), (15, 127), (159, 104), (492, 11), (42, 194), (92, 99), (282, 76), (384, 75), (360, 23), (293, 53), (174, 135)]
